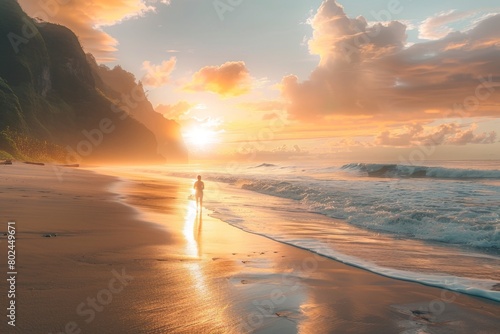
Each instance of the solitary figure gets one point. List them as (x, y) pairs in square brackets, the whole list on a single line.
[(198, 187)]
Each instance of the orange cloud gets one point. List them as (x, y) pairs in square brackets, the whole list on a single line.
[(264, 105), (435, 27), (366, 70), (229, 80), (158, 75), (445, 134), (174, 111), (85, 17)]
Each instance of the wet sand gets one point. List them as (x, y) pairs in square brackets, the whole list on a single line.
[(111, 268)]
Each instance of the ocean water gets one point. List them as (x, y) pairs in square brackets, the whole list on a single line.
[(437, 224)]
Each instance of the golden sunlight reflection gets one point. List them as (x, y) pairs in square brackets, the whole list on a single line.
[(192, 233), (192, 230)]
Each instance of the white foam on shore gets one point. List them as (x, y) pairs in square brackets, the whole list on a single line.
[(477, 287)]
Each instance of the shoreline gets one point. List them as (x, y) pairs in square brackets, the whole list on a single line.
[(476, 285), (183, 272), (405, 258), (306, 257), (492, 294)]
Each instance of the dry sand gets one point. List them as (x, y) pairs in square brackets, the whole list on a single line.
[(169, 269)]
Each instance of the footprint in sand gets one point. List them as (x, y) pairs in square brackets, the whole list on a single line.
[(288, 315), (423, 315)]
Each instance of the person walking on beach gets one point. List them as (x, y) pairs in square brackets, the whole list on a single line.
[(198, 187)]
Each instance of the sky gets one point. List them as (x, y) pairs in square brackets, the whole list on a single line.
[(280, 79)]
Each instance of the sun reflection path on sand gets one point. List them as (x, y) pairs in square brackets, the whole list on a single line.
[(192, 233), (192, 230), (192, 294)]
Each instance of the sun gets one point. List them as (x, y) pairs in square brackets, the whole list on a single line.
[(200, 137)]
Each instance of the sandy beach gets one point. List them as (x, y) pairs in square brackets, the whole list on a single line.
[(100, 254), (346, 152)]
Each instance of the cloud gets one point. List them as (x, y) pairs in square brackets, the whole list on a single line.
[(346, 144), (229, 80), (270, 116), (445, 134), (280, 153), (158, 75), (468, 137), (436, 27), (336, 35), (174, 111), (86, 17), (367, 70), (264, 105)]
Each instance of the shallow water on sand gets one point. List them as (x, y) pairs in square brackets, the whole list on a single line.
[(376, 244)]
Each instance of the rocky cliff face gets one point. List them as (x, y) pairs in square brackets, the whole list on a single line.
[(121, 86), (52, 100)]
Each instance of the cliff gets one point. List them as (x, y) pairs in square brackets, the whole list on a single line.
[(55, 106), (122, 87)]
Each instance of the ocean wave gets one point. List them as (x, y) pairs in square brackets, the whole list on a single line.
[(486, 288), (466, 219), (404, 171), (263, 165), (458, 213)]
